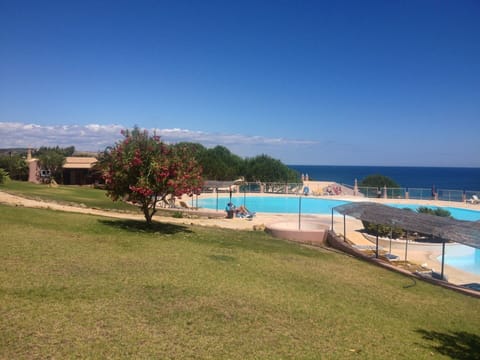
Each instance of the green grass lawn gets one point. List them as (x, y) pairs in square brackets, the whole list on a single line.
[(80, 286), (71, 194)]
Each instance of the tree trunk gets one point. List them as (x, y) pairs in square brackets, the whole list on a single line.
[(148, 215)]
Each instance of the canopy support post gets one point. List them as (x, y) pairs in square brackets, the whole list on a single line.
[(443, 259), (376, 244), (406, 245), (299, 212), (332, 220), (344, 229)]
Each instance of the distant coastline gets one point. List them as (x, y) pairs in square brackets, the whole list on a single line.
[(451, 178)]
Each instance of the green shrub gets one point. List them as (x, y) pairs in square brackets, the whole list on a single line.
[(436, 212), (3, 176), (177, 215), (15, 165), (383, 230)]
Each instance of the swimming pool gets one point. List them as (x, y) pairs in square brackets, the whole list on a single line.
[(274, 204), (463, 257), (310, 205)]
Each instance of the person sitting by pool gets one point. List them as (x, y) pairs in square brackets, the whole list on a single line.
[(230, 210), (242, 211)]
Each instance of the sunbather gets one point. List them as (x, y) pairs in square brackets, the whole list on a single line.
[(242, 211)]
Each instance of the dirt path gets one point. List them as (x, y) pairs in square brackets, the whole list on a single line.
[(237, 223), (15, 200)]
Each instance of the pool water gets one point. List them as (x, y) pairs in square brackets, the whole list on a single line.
[(271, 204), (463, 257), (309, 205)]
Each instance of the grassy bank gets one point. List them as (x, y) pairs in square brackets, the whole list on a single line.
[(99, 288), (70, 195)]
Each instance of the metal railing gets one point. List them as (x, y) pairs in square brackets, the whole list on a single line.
[(418, 194), (368, 192)]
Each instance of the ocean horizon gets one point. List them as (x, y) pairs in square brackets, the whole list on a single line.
[(449, 178)]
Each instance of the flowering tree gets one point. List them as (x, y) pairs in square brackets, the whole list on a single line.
[(144, 170)]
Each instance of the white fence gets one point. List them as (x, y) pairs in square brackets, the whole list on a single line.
[(369, 192)]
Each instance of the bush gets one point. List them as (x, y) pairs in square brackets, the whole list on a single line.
[(383, 230), (3, 176), (144, 170), (177, 215), (436, 212), (15, 165)]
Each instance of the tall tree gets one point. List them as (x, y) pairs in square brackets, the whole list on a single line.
[(220, 164), (52, 161), (53, 158), (144, 170), (66, 151), (265, 168), (15, 165)]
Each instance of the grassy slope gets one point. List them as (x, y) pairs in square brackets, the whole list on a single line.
[(98, 288), (93, 198)]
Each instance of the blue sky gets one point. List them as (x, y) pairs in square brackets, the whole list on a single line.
[(307, 82)]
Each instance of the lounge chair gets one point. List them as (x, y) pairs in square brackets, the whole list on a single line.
[(167, 204), (243, 212), (474, 200), (184, 205)]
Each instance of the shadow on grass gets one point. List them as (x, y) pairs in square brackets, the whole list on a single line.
[(224, 258), (222, 238), (457, 345), (139, 226), (252, 241)]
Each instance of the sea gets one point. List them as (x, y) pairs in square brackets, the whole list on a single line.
[(448, 178)]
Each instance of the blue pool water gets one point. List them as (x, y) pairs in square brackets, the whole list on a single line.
[(270, 204), (291, 205), (463, 257)]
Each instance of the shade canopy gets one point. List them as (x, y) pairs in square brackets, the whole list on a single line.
[(464, 232)]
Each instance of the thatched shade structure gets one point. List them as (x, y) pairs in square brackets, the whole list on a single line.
[(463, 232)]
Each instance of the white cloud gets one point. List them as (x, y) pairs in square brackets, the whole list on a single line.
[(94, 137)]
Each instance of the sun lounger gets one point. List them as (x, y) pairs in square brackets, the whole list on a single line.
[(243, 212), (391, 257), (249, 215), (184, 205), (474, 200)]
